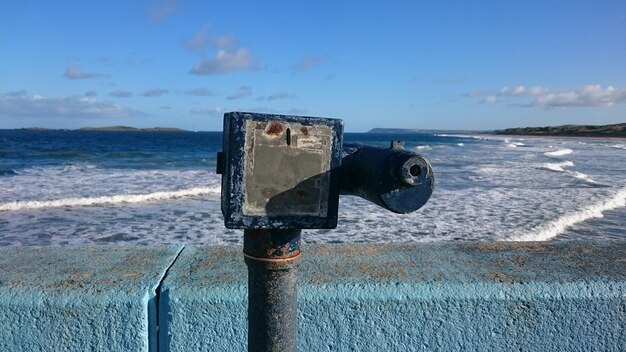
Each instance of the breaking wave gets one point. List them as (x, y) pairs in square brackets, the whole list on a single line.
[(556, 227), (559, 152), (558, 167), (115, 199)]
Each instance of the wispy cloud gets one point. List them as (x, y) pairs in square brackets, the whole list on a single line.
[(226, 61), (73, 72), (241, 93), (162, 9), (91, 93), (155, 92), (36, 106), (308, 63), (214, 111), (200, 92), (229, 56), (277, 96), (538, 96), (121, 94), (15, 93), (476, 93), (272, 110), (202, 41)]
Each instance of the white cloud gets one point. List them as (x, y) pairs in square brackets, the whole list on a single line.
[(490, 99), (241, 93), (163, 9), (225, 61), (214, 111), (73, 72), (200, 92), (37, 106), (121, 94), (538, 96), (201, 41), (307, 63), (155, 92), (228, 57)]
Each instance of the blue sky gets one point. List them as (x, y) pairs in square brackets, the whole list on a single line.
[(406, 64)]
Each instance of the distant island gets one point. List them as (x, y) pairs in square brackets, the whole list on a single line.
[(616, 130), (115, 129)]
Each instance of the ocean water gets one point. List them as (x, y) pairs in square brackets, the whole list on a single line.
[(79, 187)]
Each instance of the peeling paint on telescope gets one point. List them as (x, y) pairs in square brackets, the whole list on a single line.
[(280, 171)]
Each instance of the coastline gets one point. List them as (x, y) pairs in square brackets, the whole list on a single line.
[(598, 138)]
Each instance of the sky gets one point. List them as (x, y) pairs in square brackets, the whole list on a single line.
[(457, 65)]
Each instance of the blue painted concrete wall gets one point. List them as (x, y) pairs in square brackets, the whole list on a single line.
[(80, 298), (447, 296)]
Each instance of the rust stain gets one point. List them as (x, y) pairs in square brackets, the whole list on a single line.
[(274, 129), (301, 193), (304, 130)]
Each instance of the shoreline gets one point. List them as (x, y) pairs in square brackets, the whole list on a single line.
[(605, 138)]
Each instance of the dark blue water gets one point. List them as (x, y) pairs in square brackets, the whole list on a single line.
[(21, 149), (72, 187)]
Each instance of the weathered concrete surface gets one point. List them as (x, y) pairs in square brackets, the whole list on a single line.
[(80, 298), (414, 297), (203, 303)]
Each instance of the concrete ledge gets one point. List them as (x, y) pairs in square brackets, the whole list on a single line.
[(80, 298), (398, 297), (565, 296)]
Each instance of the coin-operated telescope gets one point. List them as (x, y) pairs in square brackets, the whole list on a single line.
[(281, 174)]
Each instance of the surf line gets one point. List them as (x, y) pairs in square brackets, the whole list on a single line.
[(556, 227), (115, 199)]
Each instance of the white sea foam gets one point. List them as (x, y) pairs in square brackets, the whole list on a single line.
[(458, 136), (619, 146), (556, 227), (114, 199), (558, 167), (584, 177), (559, 152), (423, 147), (507, 142), (460, 144)]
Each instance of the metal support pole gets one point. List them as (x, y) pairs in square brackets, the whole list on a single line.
[(272, 257)]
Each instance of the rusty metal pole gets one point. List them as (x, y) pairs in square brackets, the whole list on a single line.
[(272, 257)]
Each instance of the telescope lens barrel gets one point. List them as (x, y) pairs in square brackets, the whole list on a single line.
[(393, 178)]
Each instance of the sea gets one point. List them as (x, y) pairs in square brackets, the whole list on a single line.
[(134, 188)]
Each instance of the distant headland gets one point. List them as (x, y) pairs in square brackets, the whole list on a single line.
[(114, 129), (615, 130)]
